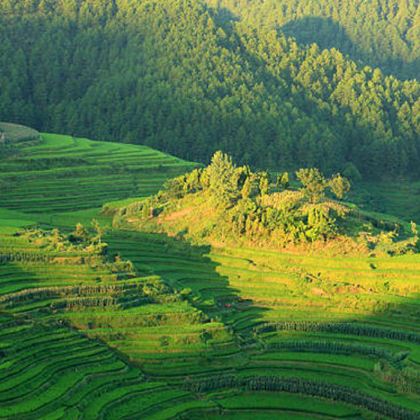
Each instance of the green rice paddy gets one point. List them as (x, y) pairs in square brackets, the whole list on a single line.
[(198, 332)]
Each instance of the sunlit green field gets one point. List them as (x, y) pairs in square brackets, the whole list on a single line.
[(64, 174), (198, 331)]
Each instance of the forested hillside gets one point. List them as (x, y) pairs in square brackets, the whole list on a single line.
[(380, 33), (189, 77)]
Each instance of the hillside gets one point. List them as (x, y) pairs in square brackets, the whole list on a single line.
[(191, 77), (93, 173), (116, 322), (382, 33)]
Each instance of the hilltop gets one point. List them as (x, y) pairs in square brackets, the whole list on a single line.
[(227, 204)]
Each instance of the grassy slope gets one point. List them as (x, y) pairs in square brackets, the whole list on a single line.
[(15, 133), (400, 199), (64, 174), (232, 292), (64, 373)]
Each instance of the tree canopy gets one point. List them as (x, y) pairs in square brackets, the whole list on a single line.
[(191, 77)]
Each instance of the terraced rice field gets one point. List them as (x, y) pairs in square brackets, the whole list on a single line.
[(197, 332), (63, 174), (56, 372), (335, 324)]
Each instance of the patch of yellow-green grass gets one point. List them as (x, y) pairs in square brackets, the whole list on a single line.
[(15, 133)]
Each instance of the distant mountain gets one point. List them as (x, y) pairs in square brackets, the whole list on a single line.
[(190, 77)]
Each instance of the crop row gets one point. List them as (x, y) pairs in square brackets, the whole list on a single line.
[(350, 328), (334, 347), (306, 387)]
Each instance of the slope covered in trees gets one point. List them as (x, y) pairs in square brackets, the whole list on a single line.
[(379, 33), (178, 75)]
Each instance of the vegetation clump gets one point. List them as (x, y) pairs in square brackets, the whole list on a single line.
[(82, 246), (80, 239), (229, 203)]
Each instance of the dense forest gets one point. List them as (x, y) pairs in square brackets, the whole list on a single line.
[(190, 77), (380, 33)]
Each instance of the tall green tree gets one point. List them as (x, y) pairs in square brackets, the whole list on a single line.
[(222, 179)]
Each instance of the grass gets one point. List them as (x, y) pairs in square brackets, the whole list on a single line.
[(398, 198)]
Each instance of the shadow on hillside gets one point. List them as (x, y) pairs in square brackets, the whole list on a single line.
[(223, 16), (189, 269), (327, 34), (15, 277), (323, 31)]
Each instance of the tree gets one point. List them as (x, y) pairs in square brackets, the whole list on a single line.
[(314, 184), (222, 179), (247, 188), (263, 183), (415, 232), (320, 224), (99, 232), (193, 180), (283, 181), (56, 239), (79, 235), (351, 172), (339, 185)]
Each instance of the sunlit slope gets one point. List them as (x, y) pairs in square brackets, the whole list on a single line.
[(64, 173), (338, 322)]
